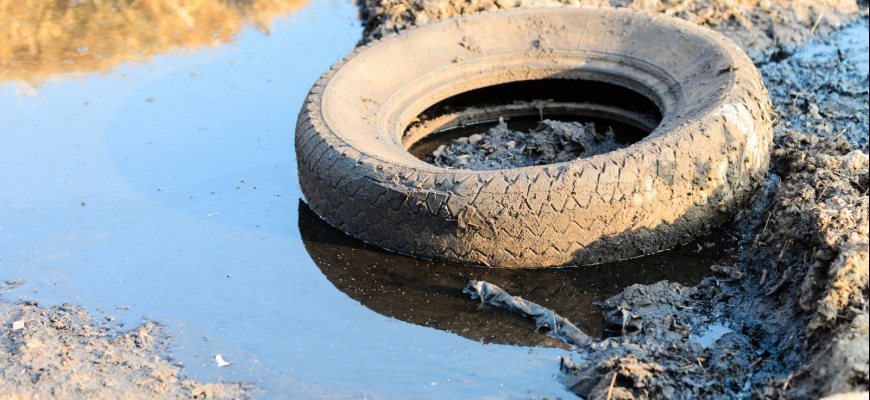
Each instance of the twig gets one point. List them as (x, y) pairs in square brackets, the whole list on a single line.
[(612, 382), (785, 247), (782, 281), (816, 24), (770, 214), (147, 381), (787, 380)]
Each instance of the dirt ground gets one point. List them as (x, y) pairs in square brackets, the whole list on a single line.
[(789, 319), (766, 29), (61, 352)]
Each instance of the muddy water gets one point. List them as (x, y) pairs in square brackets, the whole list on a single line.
[(429, 293), (167, 184)]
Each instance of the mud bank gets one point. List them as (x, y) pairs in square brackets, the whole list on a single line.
[(61, 352), (765, 29), (789, 318)]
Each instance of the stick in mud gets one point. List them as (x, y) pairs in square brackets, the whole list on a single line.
[(557, 326)]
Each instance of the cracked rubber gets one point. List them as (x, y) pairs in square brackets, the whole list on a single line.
[(699, 165)]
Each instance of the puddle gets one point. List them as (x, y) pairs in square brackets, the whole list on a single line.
[(706, 336), (429, 293), (166, 183)]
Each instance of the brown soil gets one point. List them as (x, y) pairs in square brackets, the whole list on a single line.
[(796, 299), (60, 352)]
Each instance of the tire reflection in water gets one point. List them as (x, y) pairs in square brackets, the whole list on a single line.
[(429, 293)]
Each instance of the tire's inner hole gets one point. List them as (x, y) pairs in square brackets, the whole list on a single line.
[(544, 121)]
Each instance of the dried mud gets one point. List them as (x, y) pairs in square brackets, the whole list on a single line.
[(61, 352), (793, 307), (765, 29)]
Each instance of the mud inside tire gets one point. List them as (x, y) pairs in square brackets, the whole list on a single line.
[(703, 160)]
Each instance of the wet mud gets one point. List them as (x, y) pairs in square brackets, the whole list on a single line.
[(61, 352), (501, 147), (811, 252), (788, 317)]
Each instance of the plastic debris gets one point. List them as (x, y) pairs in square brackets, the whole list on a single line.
[(221, 362), (555, 325)]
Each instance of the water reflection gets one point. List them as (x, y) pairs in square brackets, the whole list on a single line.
[(43, 39), (429, 293)]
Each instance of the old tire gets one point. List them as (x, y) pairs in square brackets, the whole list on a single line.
[(704, 159)]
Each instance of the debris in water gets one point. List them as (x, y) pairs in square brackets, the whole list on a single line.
[(221, 362), (558, 327)]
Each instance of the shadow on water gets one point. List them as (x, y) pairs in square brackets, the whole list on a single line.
[(429, 293)]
